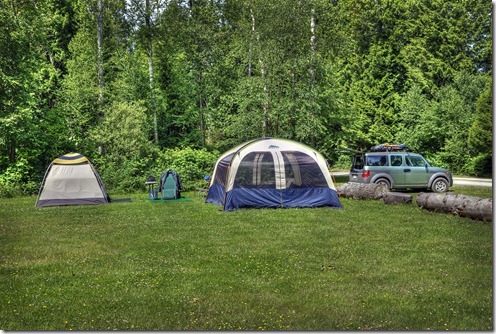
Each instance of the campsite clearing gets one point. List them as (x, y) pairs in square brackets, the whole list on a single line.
[(186, 265)]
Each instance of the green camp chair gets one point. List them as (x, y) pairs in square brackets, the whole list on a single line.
[(169, 190)]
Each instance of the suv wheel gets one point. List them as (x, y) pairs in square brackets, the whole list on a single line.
[(440, 185), (383, 182)]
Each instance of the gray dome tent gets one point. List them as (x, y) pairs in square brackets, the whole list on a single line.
[(71, 180)]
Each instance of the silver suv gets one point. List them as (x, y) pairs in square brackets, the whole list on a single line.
[(399, 170)]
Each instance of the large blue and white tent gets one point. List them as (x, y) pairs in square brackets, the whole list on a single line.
[(272, 173)]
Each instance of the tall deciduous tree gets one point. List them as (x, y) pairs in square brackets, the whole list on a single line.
[(33, 41), (95, 52), (146, 15), (149, 42), (99, 50)]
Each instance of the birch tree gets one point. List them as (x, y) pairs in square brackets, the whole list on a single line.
[(99, 57), (145, 15), (149, 41)]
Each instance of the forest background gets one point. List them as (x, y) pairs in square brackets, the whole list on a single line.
[(140, 86)]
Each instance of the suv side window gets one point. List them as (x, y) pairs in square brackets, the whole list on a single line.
[(415, 161), (396, 160), (377, 160)]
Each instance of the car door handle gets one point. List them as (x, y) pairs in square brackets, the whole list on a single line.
[(407, 170)]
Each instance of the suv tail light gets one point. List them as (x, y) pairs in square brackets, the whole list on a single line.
[(365, 174)]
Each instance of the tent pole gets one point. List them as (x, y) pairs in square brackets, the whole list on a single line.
[(43, 184)]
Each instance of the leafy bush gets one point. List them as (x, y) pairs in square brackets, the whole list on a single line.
[(125, 174), (124, 177), (130, 174), (435, 160), (123, 131), (191, 164), (344, 162), (11, 189), (8, 189), (481, 165), (16, 180), (127, 152)]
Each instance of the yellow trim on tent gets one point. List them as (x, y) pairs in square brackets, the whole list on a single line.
[(70, 159)]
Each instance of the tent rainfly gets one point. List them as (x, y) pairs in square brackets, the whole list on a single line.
[(71, 180), (272, 173)]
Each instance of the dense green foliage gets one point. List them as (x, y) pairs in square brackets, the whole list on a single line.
[(188, 266), (126, 80)]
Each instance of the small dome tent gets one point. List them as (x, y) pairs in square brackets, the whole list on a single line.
[(272, 173), (71, 180)]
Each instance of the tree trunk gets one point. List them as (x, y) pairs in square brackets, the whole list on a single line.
[(464, 206), (149, 39), (251, 41), (99, 57), (262, 74), (11, 150), (266, 100), (313, 47), (362, 190), (202, 103), (199, 76), (313, 51), (397, 198)]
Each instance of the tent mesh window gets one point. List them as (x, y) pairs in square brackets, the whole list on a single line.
[(256, 170), (222, 170), (302, 171)]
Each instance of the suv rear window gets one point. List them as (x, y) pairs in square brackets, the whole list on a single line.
[(377, 160), (357, 162)]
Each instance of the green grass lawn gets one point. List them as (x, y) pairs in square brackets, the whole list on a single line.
[(186, 265)]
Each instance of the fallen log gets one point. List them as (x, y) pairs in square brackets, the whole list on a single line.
[(462, 205), (397, 198), (362, 190)]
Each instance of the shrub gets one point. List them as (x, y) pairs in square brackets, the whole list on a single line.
[(481, 165), (8, 189), (17, 180), (123, 177), (344, 162), (191, 164)]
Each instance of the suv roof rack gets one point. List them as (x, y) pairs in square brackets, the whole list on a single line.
[(386, 147)]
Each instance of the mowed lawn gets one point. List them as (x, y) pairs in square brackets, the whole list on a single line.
[(187, 266)]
